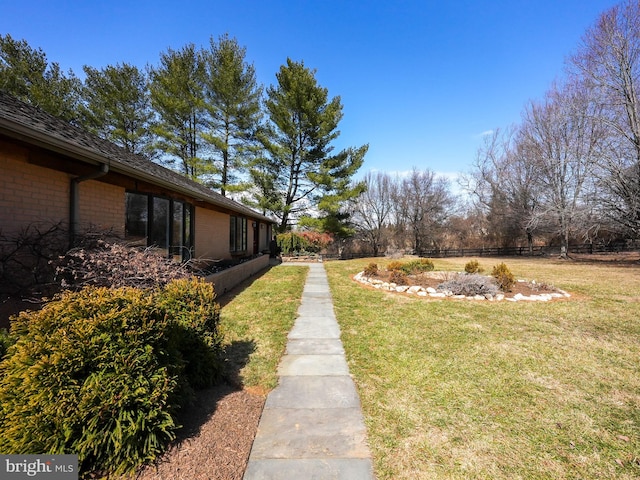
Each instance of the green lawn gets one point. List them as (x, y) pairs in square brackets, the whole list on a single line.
[(255, 322), (463, 389)]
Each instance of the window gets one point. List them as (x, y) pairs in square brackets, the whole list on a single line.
[(137, 216), (238, 234), (160, 222), (160, 226)]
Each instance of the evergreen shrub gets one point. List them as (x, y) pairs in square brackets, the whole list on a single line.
[(394, 265), (102, 372), (504, 277), (5, 342), (473, 266), (421, 265), (398, 277), (371, 270)]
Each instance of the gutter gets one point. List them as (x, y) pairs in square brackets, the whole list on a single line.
[(74, 200)]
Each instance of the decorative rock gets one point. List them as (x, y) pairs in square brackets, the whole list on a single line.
[(500, 296), (518, 296), (402, 288), (422, 293), (415, 289), (436, 294), (431, 290), (478, 297)]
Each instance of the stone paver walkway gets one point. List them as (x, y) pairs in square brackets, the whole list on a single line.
[(312, 425)]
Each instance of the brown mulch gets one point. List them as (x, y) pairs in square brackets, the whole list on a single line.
[(216, 438)]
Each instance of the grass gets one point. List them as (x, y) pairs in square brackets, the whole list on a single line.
[(461, 389), (255, 323)]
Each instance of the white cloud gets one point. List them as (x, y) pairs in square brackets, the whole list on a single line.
[(486, 133)]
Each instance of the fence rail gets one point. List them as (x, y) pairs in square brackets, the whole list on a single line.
[(501, 251)]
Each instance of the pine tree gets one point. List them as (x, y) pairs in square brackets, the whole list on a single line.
[(298, 169), (117, 106), (177, 97), (232, 99), (26, 74)]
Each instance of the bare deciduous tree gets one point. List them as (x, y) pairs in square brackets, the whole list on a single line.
[(373, 208), (422, 204), (505, 186), (608, 62), (561, 137)]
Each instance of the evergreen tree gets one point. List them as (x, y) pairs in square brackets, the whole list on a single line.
[(177, 98), (232, 99), (298, 172), (26, 74), (117, 106)]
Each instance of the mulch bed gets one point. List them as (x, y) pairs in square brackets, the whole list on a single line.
[(216, 439)]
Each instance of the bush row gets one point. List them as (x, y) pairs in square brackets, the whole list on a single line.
[(102, 372)]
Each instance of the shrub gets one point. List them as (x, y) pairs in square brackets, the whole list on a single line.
[(503, 276), (371, 270), (471, 284), (26, 257), (398, 277), (292, 242), (302, 242), (101, 373), (5, 342), (114, 265), (412, 267), (395, 265), (418, 266), (194, 335), (473, 266)]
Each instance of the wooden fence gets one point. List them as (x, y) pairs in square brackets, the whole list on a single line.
[(502, 251)]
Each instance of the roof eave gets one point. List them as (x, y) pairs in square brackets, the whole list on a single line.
[(58, 145)]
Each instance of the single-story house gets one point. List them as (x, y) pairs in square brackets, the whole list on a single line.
[(53, 172)]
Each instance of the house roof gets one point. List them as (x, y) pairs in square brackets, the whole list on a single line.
[(29, 124)]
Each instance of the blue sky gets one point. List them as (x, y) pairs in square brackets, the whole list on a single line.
[(420, 81)]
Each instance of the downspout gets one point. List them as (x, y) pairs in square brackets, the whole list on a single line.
[(74, 201)]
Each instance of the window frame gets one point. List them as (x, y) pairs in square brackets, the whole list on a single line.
[(185, 250), (238, 231)]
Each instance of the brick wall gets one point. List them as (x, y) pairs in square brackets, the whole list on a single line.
[(102, 206), (211, 234), (30, 194)]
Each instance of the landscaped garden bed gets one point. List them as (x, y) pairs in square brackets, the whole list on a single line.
[(416, 277)]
